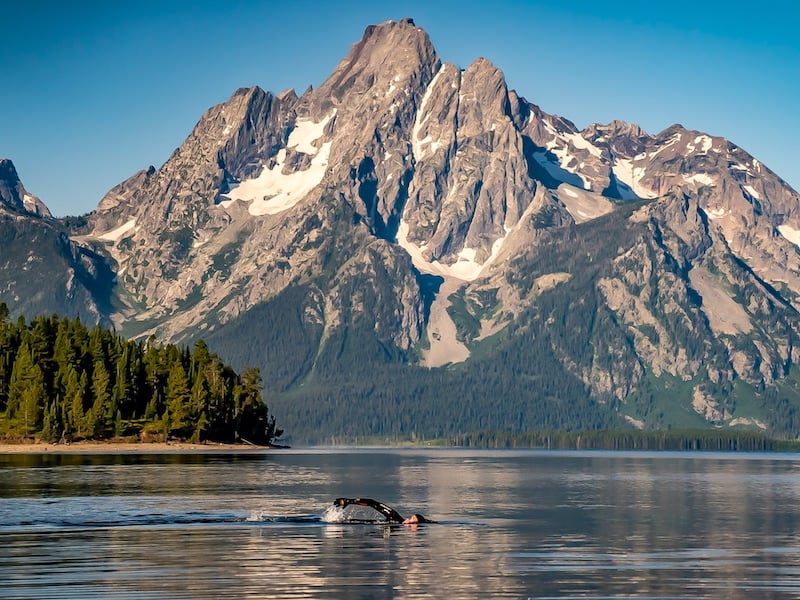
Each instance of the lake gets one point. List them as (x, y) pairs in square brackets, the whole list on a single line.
[(510, 524)]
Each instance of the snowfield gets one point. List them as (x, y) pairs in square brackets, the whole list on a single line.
[(275, 191)]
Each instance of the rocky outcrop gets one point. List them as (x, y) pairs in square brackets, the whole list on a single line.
[(14, 196), (43, 271)]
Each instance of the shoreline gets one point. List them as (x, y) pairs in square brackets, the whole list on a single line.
[(130, 448)]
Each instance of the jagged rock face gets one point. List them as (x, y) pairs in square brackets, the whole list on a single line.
[(471, 184), (680, 283), (13, 195), (753, 209), (42, 271), (373, 96), (153, 223), (437, 210)]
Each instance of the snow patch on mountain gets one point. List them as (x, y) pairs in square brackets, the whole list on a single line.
[(466, 268), (580, 142), (392, 86), (701, 178), (790, 233), (583, 205), (556, 170), (421, 118), (703, 141), (306, 132), (751, 190), (29, 202), (117, 234), (567, 162), (717, 213), (672, 141), (625, 171), (275, 191)]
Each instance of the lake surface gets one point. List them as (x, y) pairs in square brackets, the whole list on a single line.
[(510, 525)]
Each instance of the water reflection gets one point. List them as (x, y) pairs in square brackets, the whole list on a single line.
[(512, 525)]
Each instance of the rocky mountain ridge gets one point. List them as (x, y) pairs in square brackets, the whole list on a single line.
[(13, 195), (41, 269), (410, 212)]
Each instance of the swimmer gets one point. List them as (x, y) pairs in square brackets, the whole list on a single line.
[(392, 516)]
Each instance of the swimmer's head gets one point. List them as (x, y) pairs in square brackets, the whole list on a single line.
[(414, 519)]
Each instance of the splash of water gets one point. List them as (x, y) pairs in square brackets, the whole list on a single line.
[(257, 515), (260, 516), (334, 514)]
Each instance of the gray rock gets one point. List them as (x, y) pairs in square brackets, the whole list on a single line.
[(13, 195)]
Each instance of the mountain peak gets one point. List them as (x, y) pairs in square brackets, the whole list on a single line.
[(13, 194), (390, 49), (8, 173), (382, 28)]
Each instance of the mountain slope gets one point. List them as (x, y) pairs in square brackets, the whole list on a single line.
[(41, 270), (414, 247)]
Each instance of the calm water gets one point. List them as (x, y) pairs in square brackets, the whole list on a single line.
[(511, 525)]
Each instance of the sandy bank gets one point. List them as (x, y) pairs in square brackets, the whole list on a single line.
[(128, 448)]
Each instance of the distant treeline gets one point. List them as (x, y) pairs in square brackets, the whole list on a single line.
[(60, 381), (719, 440)]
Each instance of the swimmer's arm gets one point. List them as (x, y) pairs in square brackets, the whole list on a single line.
[(387, 511)]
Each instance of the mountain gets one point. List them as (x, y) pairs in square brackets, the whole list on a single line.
[(42, 270), (414, 248), (13, 195)]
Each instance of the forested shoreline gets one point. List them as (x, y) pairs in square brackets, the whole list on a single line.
[(689, 440), (729, 440), (61, 381)]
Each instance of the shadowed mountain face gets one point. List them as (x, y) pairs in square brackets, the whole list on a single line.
[(41, 270), (409, 214)]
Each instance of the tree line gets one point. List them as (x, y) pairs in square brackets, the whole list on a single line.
[(61, 381), (688, 439)]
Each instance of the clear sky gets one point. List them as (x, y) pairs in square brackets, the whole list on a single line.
[(93, 91)]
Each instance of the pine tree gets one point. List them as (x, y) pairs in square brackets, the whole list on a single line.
[(120, 393), (26, 392), (33, 399), (74, 393), (178, 398), (101, 413), (252, 419), (199, 406), (118, 426), (50, 425), (151, 412)]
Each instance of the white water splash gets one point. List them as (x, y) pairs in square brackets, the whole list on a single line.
[(352, 514), (334, 514), (257, 515)]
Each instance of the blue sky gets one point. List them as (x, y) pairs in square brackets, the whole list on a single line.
[(94, 91)]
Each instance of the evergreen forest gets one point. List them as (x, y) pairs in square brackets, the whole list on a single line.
[(61, 381)]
